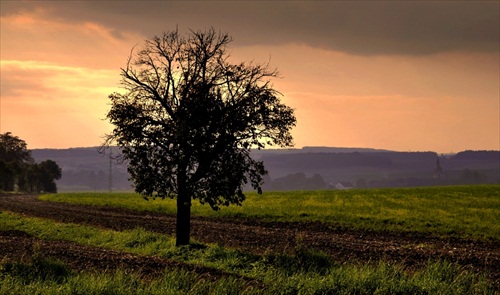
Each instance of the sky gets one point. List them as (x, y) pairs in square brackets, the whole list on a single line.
[(404, 76)]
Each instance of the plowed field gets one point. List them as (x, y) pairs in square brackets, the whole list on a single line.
[(343, 245)]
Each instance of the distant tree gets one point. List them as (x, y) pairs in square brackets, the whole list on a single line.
[(7, 177), (14, 160), (48, 171), (13, 149), (17, 165), (28, 179), (40, 178), (292, 181), (188, 119), (317, 182)]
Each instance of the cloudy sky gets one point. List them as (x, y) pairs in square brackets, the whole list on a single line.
[(406, 76)]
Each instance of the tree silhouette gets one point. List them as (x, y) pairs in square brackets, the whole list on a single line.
[(17, 165), (188, 119), (14, 160), (48, 172)]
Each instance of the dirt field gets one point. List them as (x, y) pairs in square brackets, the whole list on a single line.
[(246, 234)]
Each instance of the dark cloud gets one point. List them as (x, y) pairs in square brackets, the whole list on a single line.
[(357, 27)]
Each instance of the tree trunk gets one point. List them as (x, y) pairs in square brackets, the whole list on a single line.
[(183, 226)]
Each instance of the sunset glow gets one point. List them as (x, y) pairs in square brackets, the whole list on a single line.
[(432, 86)]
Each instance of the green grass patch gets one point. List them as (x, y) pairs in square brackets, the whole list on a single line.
[(459, 211), (379, 279), (302, 272), (38, 268), (20, 278)]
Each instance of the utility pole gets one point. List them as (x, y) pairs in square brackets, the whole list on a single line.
[(110, 169)]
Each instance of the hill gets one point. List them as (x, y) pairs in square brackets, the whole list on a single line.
[(85, 169)]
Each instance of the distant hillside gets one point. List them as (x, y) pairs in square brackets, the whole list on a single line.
[(85, 169), (381, 169), (314, 149)]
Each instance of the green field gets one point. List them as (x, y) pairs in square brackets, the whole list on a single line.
[(304, 272), (459, 211), (462, 211)]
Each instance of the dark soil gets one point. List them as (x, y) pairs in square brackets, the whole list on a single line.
[(253, 235)]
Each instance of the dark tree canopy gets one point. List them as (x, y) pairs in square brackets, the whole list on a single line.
[(14, 150), (14, 159), (189, 117), (40, 177), (17, 166)]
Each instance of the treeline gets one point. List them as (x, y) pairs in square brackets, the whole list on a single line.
[(493, 156), (85, 169), (300, 181), (384, 160), (20, 172), (378, 169)]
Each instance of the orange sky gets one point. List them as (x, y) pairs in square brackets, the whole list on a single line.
[(384, 75)]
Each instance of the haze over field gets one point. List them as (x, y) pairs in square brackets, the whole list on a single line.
[(419, 76)]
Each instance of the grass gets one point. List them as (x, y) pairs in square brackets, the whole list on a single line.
[(459, 211), (303, 272), (382, 279), (13, 280)]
